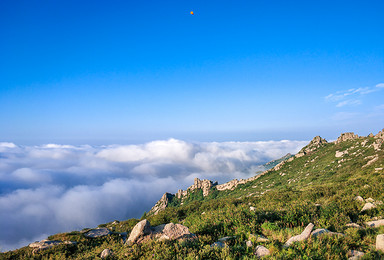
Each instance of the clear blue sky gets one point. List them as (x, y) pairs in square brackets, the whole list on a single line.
[(126, 71)]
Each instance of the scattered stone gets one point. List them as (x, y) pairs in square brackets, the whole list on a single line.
[(303, 236), (258, 238), (139, 230), (225, 239), (354, 225), (375, 223), (368, 206), (252, 208), (319, 231), (106, 252), (370, 200), (380, 242), (203, 213), (248, 243), (218, 244), (359, 198), (261, 251), (340, 153), (355, 255), (98, 232), (115, 222)]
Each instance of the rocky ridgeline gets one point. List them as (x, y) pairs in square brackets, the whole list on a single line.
[(314, 144)]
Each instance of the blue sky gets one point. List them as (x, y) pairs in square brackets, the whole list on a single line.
[(132, 71)]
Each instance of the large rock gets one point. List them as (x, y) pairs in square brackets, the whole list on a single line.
[(303, 236), (143, 231), (173, 231), (140, 230), (261, 251), (380, 242), (45, 244), (98, 232), (375, 223)]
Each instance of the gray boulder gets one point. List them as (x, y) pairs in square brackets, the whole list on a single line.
[(321, 231), (98, 232), (248, 243), (140, 230), (355, 255), (261, 251), (106, 252), (258, 238), (303, 236), (380, 242), (375, 223), (218, 244), (45, 244), (368, 206)]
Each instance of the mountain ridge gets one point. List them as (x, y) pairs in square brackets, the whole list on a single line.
[(336, 187)]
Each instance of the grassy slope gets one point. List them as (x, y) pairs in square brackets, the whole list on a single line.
[(317, 188)]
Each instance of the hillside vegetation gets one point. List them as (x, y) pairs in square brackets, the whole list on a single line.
[(326, 184)]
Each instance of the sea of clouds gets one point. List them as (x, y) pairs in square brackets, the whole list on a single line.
[(58, 188)]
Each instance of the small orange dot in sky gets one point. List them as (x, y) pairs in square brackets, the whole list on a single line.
[(192, 13)]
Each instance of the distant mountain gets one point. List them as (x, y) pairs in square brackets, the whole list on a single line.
[(325, 202)]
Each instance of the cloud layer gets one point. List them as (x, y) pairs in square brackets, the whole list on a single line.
[(56, 188)]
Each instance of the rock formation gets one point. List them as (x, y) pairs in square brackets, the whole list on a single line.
[(162, 203), (346, 136), (316, 142)]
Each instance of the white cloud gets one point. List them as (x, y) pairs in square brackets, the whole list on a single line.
[(55, 188), (352, 96)]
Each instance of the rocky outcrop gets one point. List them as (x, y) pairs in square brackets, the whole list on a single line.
[(98, 232), (143, 231), (205, 185), (303, 236), (45, 244), (380, 135), (162, 203), (312, 146), (346, 136)]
